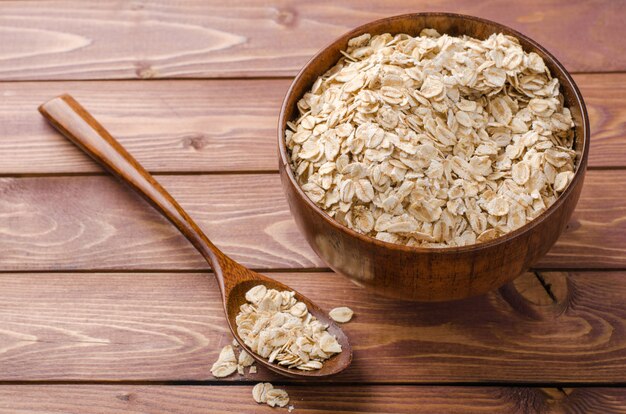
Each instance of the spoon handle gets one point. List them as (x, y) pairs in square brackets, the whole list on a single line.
[(80, 127)]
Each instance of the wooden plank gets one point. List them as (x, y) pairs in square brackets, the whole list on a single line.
[(63, 223), (167, 125), (214, 125), (96, 223), (69, 40), (585, 400), (606, 105), (170, 326), (596, 235), (114, 399)]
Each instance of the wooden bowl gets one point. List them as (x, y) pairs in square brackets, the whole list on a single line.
[(419, 273)]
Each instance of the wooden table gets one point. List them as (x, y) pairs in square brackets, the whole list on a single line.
[(104, 308)]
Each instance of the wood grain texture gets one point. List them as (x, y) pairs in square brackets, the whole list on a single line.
[(73, 40), (96, 223), (167, 125), (110, 399), (64, 223), (587, 400), (596, 235), (169, 326), (214, 125), (606, 105)]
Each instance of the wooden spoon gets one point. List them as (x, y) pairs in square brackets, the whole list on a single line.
[(234, 280)]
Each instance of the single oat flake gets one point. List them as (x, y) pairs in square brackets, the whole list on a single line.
[(226, 363), (277, 397), (245, 360), (433, 140), (342, 314)]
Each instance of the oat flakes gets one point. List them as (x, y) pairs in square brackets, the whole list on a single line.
[(265, 393), (433, 140), (276, 326)]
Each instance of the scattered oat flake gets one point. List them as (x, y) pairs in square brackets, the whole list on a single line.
[(342, 314), (245, 360), (259, 392), (252, 369), (265, 393), (277, 397), (226, 363)]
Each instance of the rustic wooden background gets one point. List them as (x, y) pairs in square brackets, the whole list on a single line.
[(104, 308)]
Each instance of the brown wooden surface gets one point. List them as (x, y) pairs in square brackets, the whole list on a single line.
[(214, 125), (169, 326), (197, 38), (190, 125), (94, 223), (106, 226), (95, 287), (379, 399)]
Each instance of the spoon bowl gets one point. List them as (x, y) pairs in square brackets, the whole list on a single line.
[(234, 280), (236, 298)]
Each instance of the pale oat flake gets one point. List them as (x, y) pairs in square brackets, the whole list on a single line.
[(277, 397), (245, 360), (265, 393), (432, 140), (259, 392), (226, 363), (342, 314)]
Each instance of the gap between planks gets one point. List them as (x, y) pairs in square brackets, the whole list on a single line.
[(234, 172), (546, 286), (224, 78), (199, 78), (320, 384), (155, 173), (170, 271), (260, 270)]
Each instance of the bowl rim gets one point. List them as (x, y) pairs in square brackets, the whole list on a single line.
[(503, 239)]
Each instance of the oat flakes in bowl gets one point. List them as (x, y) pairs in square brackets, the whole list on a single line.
[(433, 140)]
